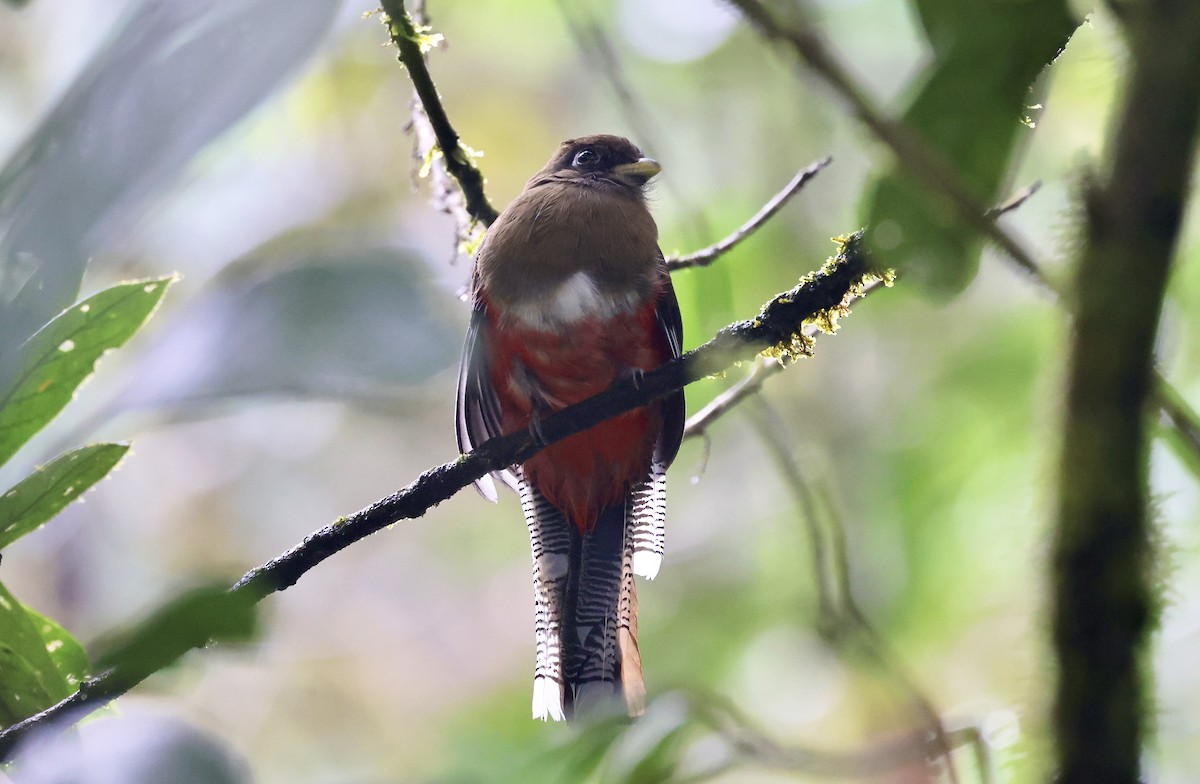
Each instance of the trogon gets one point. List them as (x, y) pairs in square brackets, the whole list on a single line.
[(570, 294)]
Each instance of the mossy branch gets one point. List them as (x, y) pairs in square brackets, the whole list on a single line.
[(819, 298), (412, 41), (1104, 602)]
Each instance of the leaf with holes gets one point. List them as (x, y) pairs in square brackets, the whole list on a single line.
[(65, 651), (50, 366), (29, 679), (45, 492)]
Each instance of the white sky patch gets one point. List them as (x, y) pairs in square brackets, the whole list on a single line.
[(675, 31)]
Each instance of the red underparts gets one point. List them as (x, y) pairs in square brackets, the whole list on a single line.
[(537, 372)]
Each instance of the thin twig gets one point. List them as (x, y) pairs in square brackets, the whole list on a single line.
[(407, 38), (764, 368), (777, 323), (770, 430), (698, 423), (1182, 419), (842, 620), (754, 747), (913, 154), (926, 164), (710, 254), (1015, 201)]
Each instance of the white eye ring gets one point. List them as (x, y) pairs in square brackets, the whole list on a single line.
[(584, 157)]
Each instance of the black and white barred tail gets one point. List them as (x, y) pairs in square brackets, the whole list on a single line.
[(585, 599)]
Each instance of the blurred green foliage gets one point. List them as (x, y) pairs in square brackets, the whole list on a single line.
[(210, 613), (148, 101), (968, 107)]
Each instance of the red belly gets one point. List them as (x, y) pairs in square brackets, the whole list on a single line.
[(595, 468)]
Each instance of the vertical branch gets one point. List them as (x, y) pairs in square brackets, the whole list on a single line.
[(1103, 600)]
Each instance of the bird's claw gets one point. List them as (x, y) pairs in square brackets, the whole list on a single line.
[(637, 375)]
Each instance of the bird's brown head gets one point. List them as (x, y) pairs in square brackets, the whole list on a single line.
[(602, 160), (584, 212)]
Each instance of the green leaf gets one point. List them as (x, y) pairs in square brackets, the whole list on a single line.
[(29, 680), (65, 651), (87, 171), (969, 109), (210, 613), (45, 492), (52, 364)]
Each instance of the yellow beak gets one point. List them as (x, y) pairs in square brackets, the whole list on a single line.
[(642, 169)]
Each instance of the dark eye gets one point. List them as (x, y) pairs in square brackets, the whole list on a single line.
[(585, 158)]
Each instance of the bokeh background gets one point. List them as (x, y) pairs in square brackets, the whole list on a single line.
[(304, 366)]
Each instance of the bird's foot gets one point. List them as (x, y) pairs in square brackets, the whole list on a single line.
[(637, 375)]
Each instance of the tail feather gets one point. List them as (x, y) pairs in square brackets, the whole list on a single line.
[(649, 521), (550, 538), (632, 685), (585, 610), (593, 663)]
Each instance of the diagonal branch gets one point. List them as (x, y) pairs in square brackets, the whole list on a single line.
[(410, 40), (916, 156), (777, 329), (911, 152), (764, 368), (1015, 201)]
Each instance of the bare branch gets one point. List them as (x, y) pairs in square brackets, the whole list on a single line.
[(1182, 422), (710, 254), (764, 367), (1019, 198), (751, 383), (912, 153), (754, 747)]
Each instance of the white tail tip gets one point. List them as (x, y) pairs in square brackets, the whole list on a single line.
[(487, 488), (548, 700), (646, 564)]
